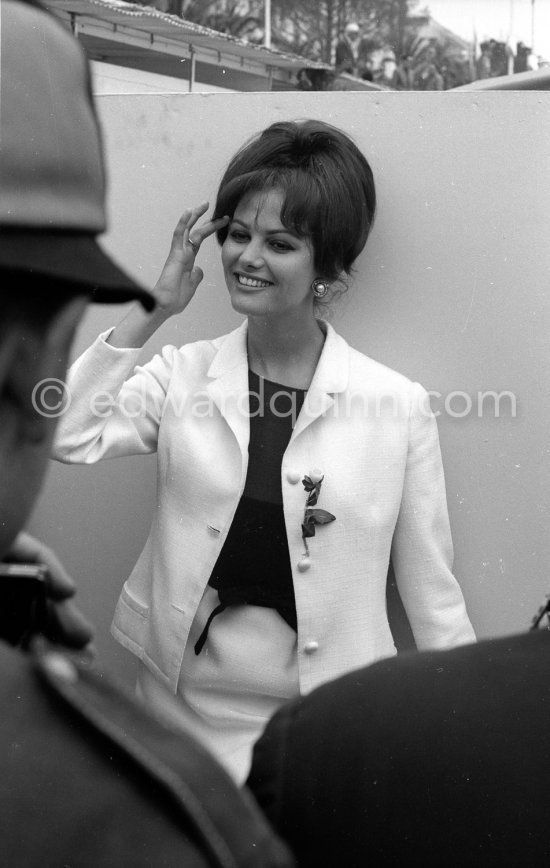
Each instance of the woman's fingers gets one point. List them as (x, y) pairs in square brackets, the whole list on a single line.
[(179, 231), (195, 237), (194, 215), (210, 227), (195, 277), (197, 212), (188, 237)]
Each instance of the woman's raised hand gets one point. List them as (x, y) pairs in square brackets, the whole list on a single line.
[(180, 276)]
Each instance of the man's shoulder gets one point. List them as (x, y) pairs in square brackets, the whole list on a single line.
[(488, 675), (446, 739), (82, 734), (427, 681)]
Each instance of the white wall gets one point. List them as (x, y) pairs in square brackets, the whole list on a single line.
[(452, 290)]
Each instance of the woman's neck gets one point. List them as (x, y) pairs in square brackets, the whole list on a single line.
[(285, 353)]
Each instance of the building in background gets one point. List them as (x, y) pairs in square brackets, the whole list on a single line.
[(136, 49), (517, 24)]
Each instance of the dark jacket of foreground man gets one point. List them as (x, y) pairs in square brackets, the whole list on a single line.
[(89, 781), (432, 759)]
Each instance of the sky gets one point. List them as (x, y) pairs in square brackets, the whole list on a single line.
[(496, 19)]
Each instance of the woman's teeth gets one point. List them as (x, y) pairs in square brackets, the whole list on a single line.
[(252, 281)]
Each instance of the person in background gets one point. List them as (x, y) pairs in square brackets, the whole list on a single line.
[(406, 73), (427, 74), (86, 777), (483, 63), (303, 81), (390, 76), (368, 71), (291, 467), (352, 53)]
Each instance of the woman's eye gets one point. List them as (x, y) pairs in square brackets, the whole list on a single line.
[(237, 235), (281, 246)]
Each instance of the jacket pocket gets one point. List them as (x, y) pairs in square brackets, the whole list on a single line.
[(130, 622)]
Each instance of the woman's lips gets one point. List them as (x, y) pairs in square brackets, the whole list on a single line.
[(252, 282)]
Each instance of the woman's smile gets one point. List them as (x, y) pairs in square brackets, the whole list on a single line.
[(252, 282)]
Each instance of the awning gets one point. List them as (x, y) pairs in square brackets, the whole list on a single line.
[(538, 79), (145, 38)]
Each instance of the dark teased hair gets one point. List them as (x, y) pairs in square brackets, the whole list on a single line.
[(326, 182)]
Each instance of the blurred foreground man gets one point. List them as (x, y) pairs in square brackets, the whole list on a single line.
[(86, 779), (436, 759)]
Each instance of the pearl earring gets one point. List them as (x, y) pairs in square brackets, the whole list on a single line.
[(320, 288)]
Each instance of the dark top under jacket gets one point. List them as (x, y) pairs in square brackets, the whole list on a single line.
[(254, 564)]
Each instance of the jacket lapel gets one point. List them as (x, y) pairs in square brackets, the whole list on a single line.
[(331, 377), (229, 387)]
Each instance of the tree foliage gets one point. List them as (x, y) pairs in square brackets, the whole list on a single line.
[(312, 27), (241, 18), (308, 27)]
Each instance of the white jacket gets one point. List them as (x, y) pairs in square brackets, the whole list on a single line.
[(366, 427)]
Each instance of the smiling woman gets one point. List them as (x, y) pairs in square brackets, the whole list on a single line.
[(249, 590)]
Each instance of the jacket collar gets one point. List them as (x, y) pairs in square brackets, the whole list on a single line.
[(231, 354), (330, 378), (331, 374), (229, 387), (229, 372)]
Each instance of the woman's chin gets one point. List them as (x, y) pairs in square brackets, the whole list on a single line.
[(249, 302)]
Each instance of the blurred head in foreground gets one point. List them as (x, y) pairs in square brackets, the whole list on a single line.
[(52, 208)]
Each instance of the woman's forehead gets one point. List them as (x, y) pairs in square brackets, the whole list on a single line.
[(261, 207)]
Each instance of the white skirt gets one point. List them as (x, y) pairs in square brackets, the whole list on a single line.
[(227, 693)]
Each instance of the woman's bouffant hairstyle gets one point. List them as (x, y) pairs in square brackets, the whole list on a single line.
[(326, 182)]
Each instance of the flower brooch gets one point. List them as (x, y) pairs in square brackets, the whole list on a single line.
[(312, 515)]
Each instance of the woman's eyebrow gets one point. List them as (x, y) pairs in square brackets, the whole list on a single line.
[(275, 231)]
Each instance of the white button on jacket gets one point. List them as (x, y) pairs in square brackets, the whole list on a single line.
[(311, 647), (368, 427)]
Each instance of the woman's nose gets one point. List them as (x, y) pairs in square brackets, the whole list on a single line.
[(251, 256)]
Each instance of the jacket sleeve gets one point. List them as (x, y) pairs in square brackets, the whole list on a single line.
[(113, 408), (422, 550)]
